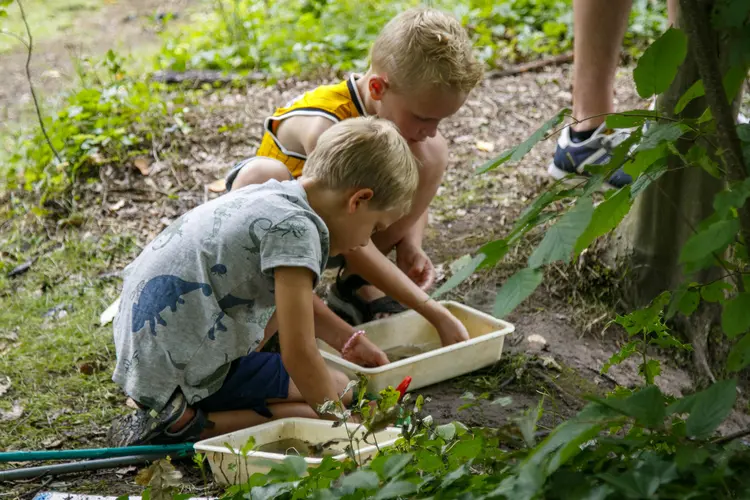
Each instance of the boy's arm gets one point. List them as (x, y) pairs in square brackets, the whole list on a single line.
[(299, 351), (376, 268)]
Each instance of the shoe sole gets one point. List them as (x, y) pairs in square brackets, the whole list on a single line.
[(570, 178)]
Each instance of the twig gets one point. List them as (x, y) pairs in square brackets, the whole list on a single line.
[(732, 437), (30, 47), (532, 66), (17, 37)]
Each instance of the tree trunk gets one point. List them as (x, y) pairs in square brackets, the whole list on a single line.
[(667, 213)]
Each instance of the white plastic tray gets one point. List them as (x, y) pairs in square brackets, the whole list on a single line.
[(229, 467), (409, 328)]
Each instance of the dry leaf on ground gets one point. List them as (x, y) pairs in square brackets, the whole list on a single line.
[(142, 164), (12, 414)]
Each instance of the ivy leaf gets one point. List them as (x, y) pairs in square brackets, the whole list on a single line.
[(714, 292), (460, 276), (515, 290), (396, 489), (658, 134), (607, 215), (658, 65), (709, 240), (735, 317), (560, 239), (710, 408), (629, 119), (739, 356), (514, 154), (493, 253)]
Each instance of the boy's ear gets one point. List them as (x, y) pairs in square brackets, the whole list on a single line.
[(360, 196), (377, 86)]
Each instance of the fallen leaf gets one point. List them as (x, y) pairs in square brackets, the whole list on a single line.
[(117, 206), (142, 165), (86, 368), (52, 443), (549, 362), (4, 384), (536, 339), (218, 186), (126, 470), (12, 414), (485, 146)]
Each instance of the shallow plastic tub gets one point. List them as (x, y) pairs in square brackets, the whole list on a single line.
[(484, 348), (230, 467)]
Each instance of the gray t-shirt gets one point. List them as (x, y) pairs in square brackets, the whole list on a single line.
[(201, 293)]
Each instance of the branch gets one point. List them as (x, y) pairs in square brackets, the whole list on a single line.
[(30, 47), (703, 39), (17, 37)]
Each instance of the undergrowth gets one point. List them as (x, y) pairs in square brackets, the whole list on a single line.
[(307, 37)]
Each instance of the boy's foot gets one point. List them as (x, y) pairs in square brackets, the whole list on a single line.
[(175, 423), (344, 300), (575, 150)]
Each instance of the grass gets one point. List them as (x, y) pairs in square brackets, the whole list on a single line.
[(49, 19), (61, 363)]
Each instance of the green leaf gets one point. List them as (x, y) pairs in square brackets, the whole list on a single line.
[(460, 276), (715, 237), (739, 356), (560, 239), (396, 489), (630, 119), (607, 215), (626, 351), (695, 91), (735, 317), (5, 3), (514, 154), (676, 304), (644, 159), (296, 465), (361, 480), (468, 448), (732, 198), (493, 252), (730, 13), (659, 63), (646, 319), (658, 134), (649, 370), (515, 290), (711, 408), (645, 406), (446, 431), (683, 405), (455, 475), (689, 302), (714, 292), (395, 464), (650, 175)]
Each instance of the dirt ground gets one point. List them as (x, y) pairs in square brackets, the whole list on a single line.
[(226, 126)]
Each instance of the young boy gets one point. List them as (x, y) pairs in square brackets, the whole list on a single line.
[(422, 70), (197, 299)]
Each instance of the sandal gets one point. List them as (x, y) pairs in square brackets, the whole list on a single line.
[(147, 426), (344, 301)]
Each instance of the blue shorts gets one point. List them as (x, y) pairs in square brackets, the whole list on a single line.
[(252, 380)]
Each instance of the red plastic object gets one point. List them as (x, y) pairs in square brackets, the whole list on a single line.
[(403, 386)]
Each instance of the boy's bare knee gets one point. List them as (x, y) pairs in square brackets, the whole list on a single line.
[(260, 170)]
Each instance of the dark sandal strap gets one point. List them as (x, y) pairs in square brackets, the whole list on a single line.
[(191, 431), (384, 305)]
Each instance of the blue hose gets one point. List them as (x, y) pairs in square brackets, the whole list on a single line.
[(85, 453)]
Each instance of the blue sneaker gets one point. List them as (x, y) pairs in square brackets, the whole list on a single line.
[(572, 157)]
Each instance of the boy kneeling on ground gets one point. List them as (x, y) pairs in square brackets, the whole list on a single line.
[(199, 301)]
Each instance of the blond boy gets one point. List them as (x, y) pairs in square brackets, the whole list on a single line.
[(422, 70), (196, 301)]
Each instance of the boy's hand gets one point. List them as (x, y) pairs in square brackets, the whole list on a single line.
[(415, 263), (365, 353)]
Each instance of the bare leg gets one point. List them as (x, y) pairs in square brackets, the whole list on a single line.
[(599, 27), (230, 421)]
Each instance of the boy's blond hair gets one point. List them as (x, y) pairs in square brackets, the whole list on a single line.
[(424, 47), (366, 152)]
